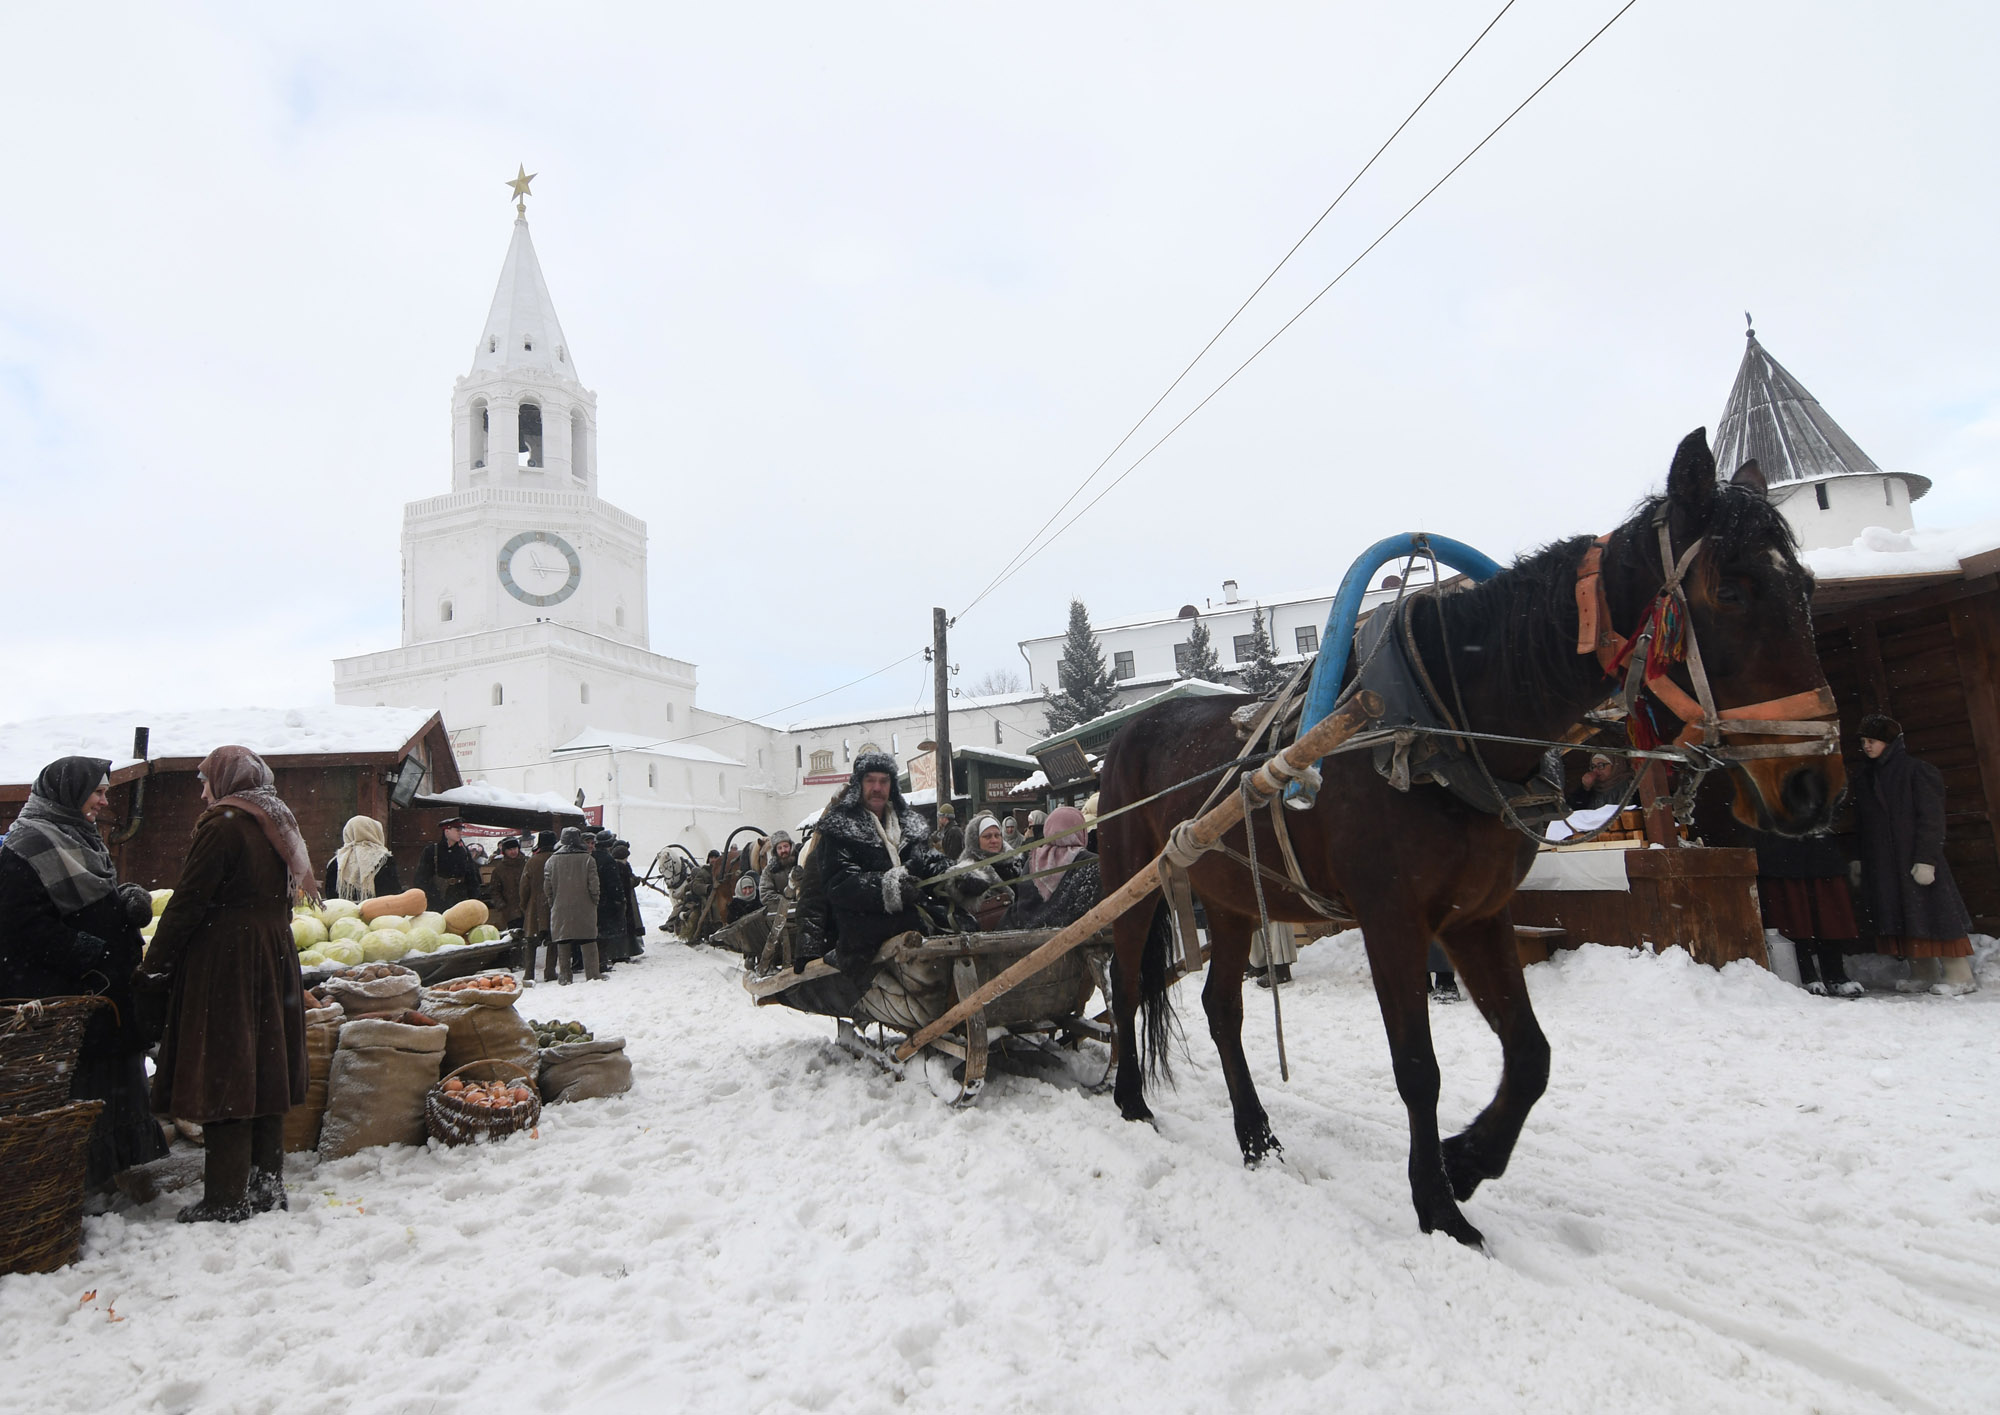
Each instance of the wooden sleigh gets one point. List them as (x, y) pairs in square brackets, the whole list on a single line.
[(1038, 1024)]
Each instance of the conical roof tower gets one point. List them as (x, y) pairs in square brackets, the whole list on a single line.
[(522, 334), (1829, 488)]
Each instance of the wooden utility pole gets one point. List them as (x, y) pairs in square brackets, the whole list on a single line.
[(941, 708)]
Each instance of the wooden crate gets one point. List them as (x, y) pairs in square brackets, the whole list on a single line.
[(1702, 900)]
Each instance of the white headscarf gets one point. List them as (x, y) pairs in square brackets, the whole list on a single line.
[(363, 848)]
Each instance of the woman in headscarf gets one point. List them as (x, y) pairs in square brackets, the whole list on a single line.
[(68, 927), (983, 841), (362, 868), (234, 1058), (1062, 882)]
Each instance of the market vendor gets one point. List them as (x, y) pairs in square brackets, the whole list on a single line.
[(362, 868), (68, 928), (447, 873), (875, 852), (506, 885)]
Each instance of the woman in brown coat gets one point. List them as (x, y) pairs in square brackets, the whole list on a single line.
[(234, 1056)]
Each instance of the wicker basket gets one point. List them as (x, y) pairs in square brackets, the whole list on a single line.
[(43, 1159), (39, 1041), (455, 1122)]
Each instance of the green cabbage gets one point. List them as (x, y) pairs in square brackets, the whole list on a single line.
[(307, 932), (485, 933), (384, 946), (348, 928), (450, 941), (387, 922), (422, 940), (344, 951), (312, 958), (335, 909), (429, 919)]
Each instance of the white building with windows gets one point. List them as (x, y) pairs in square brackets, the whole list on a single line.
[(525, 608)]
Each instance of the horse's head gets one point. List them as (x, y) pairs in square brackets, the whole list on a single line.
[(1750, 610)]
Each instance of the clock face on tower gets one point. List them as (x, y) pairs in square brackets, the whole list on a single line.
[(540, 568)]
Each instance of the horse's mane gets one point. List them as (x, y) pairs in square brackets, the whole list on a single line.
[(1524, 619)]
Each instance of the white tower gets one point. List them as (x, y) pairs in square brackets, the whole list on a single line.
[(1829, 489), (524, 593)]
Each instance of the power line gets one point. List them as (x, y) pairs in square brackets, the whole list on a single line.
[(1026, 548), (1408, 212)]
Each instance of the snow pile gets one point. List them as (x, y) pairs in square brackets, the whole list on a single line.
[(1879, 551), (27, 747), (1734, 1197), (479, 793)]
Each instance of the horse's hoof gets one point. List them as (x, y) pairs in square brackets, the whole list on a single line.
[(1137, 1110), (1261, 1147), (1454, 1223), (1463, 1167)]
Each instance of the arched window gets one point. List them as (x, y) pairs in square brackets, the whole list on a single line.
[(499, 695), (670, 712), (444, 611), (996, 733), (721, 785), (493, 343), (652, 777), (583, 692), (618, 616), (530, 450), (480, 423), (579, 446)]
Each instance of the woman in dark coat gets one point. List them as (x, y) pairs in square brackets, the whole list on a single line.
[(67, 928), (234, 1057), (1899, 805)]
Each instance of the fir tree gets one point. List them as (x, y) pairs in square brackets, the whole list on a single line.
[(1085, 686), (1202, 660), (1263, 675)]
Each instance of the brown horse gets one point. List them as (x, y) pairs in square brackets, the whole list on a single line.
[(1418, 864)]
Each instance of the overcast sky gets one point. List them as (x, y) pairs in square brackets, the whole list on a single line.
[(864, 291)]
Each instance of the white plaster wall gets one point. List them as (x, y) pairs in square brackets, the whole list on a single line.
[(1152, 644), (1853, 505)]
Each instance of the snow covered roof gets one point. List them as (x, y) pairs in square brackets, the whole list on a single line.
[(596, 739), (1770, 417), (1186, 688), (923, 709), (1877, 551), (26, 747), (479, 793), (522, 333)]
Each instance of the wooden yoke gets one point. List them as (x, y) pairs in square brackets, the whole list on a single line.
[(1190, 839)]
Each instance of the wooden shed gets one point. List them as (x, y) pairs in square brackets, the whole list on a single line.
[(330, 763)]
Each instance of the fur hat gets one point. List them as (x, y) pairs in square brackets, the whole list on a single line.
[(1880, 726), (546, 840), (873, 761), (946, 811), (778, 837), (512, 842)]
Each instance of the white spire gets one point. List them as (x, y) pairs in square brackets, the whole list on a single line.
[(522, 333)]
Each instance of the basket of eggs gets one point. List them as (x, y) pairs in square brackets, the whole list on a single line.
[(482, 1100)]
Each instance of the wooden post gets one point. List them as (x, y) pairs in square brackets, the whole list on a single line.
[(941, 707), (1265, 785), (1658, 809)]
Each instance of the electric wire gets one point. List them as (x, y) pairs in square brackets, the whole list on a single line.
[(1023, 562), (1228, 323)]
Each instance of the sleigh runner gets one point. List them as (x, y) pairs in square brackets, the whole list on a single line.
[(918, 979)]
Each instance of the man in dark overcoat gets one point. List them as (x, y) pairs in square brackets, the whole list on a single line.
[(875, 853), (446, 872)]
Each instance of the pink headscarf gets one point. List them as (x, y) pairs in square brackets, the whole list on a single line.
[(237, 776), (1055, 851)]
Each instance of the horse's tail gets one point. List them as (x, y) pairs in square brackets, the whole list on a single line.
[(1156, 997)]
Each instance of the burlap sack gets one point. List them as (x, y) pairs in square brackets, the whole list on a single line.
[(302, 1121), (483, 1026), (375, 1090), (583, 1071), (388, 988)]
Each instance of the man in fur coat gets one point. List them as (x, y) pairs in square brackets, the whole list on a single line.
[(875, 851)]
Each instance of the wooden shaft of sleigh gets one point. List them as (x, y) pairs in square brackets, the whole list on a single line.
[(1265, 784)]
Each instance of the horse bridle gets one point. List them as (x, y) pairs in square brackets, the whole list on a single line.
[(1665, 634)]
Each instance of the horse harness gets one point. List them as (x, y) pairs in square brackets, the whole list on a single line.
[(1419, 744)]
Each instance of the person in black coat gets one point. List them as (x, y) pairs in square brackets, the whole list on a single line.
[(1899, 811), (876, 851), (67, 928), (446, 872), (614, 903)]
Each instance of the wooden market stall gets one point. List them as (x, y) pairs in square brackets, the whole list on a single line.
[(330, 763)]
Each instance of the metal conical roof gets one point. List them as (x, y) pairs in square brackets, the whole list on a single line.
[(1772, 418), (522, 333)]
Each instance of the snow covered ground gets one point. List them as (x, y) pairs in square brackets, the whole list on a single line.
[(1734, 1197)]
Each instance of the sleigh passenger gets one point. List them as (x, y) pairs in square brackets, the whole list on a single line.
[(875, 851)]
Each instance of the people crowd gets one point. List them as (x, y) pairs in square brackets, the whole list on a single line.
[(217, 998)]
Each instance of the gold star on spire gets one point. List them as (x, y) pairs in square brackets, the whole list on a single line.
[(519, 184)]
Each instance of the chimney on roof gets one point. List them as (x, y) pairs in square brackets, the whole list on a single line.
[(1229, 592)]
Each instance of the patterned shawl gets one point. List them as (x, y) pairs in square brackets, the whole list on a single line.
[(55, 837)]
